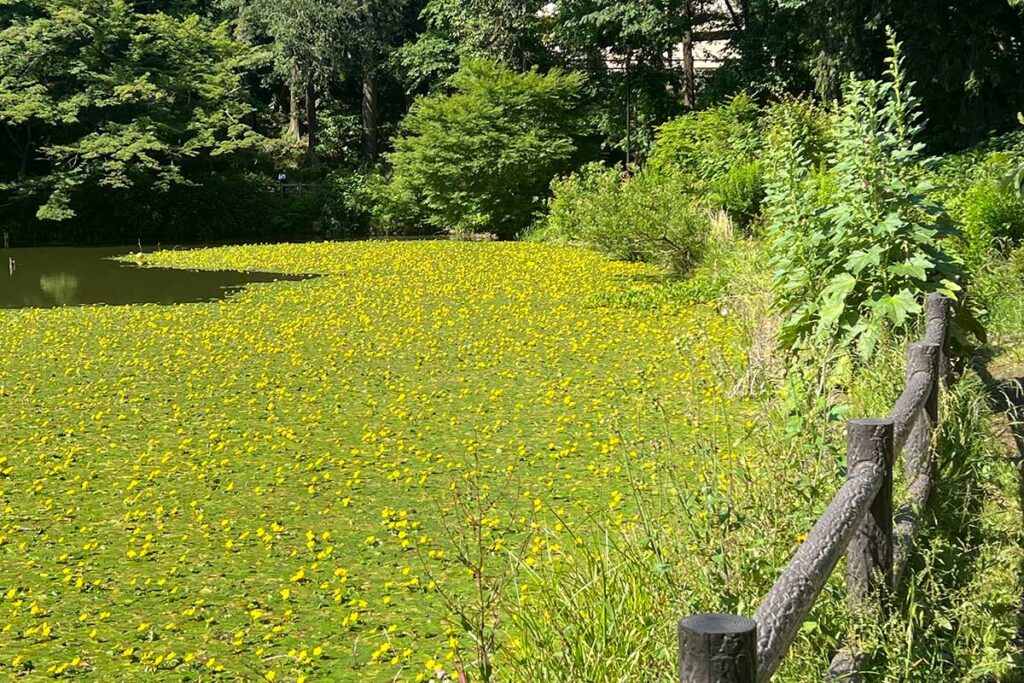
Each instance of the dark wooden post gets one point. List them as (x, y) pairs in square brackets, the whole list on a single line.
[(938, 314), (717, 648), (869, 555), (917, 456)]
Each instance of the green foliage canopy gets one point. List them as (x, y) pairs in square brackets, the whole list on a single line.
[(96, 95), (966, 57), (706, 144), (481, 158), (715, 154)]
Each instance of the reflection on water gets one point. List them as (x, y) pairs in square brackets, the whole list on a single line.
[(68, 276), (61, 287)]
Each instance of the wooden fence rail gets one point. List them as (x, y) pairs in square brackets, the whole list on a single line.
[(860, 521)]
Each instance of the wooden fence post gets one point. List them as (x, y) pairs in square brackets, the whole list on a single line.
[(869, 555), (717, 648), (917, 452), (938, 317)]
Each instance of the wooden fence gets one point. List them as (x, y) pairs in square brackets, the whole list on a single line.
[(860, 520)]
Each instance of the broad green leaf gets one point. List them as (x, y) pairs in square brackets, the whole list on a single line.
[(861, 259)]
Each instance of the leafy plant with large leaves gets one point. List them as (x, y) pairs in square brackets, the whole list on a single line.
[(858, 240)]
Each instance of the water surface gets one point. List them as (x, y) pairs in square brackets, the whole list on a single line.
[(47, 277)]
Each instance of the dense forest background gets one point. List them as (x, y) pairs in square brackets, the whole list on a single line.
[(209, 120)]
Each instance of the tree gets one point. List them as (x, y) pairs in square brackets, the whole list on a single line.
[(380, 26), (316, 44), (627, 51), (96, 96), (507, 31), (773, 51), (307, 39), (968, 61), (966, 57), (482, 157)]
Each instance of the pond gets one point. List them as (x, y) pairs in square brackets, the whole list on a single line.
[(47, 277)]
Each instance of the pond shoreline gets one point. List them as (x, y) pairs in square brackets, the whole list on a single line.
[(51, 277)]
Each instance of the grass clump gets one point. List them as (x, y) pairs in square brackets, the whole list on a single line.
[(956, 614)]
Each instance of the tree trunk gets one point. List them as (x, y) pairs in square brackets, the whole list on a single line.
[(629, 110), (371, 107), (689, 71), (312, 124), (294, 126), (734, 16), (745, 13), (24, 150)]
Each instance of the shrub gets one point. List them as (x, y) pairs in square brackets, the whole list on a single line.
[(997, 157), (345, 213), (857, 246), (714, 152), (803, 120), (481, 158), (992, 217), (579, 204), (646, 218), (706, 144), (980, 188), (739, 192), (395, 206)]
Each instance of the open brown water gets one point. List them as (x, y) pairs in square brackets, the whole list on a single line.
[(46, 277)]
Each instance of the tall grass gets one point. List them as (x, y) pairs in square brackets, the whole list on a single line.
[(956, 615), (604, 610)]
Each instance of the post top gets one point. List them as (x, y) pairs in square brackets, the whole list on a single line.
[(870, 422), (718, 624)]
